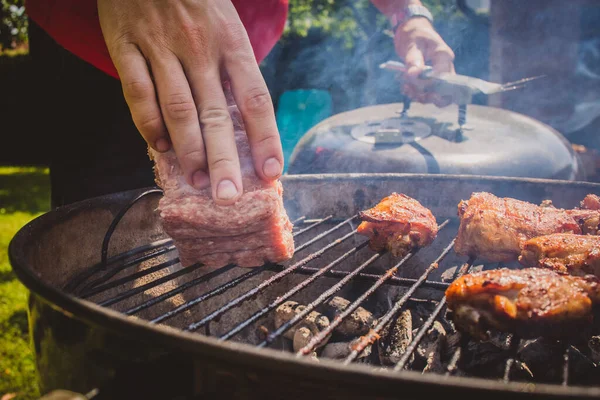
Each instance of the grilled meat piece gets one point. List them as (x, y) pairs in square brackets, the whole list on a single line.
[(399, 224), (254, 230), (588, 220), (588, 215), (530, 302), (563, 252), (495, 229), (591, 202)]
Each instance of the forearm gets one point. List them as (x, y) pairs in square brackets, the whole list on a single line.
[(417, 44), (391, 7)]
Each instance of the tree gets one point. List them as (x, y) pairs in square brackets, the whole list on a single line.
[(347, 20), (13, 23)]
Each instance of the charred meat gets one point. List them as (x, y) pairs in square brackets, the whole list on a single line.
[(495, 229), (563, 252), (399, 224), (254, 230), (530, 302)]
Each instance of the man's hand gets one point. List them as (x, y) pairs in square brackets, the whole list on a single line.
[(172, 57), (417, 43)]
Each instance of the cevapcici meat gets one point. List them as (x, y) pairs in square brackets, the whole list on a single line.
[(254, 230), (495, 229), (399, 224)]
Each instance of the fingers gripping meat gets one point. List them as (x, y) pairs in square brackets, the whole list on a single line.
[(531, 302), (399, 224), (254, 230), (495, 229), (563, 252)]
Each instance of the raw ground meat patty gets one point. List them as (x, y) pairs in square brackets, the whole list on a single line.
[(254, 230)]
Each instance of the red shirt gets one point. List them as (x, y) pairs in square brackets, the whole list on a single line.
[(74, 25)]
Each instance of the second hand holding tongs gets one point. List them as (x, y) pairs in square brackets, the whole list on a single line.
[(460, 89)]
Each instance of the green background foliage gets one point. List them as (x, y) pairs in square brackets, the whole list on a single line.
[(24, 194), (13, 23)]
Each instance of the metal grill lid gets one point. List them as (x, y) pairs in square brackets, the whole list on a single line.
[(494, 142)]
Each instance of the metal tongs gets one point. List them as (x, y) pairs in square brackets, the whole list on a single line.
[(459, 88)]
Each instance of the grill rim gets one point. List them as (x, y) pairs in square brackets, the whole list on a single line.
[(386, 380)]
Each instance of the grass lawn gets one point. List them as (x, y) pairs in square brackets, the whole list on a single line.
[(24, 194)]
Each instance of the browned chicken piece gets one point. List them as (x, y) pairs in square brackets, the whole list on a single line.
[(530, 302), (563, 252), (495, 229), (591, 202), (588, 220), (588, 216), (399, 224)]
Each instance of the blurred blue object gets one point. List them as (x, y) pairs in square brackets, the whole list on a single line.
[(297, 112)]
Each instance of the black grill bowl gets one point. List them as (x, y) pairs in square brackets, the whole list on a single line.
[(81, 346)]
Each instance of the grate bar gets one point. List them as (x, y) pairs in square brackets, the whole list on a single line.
[(315, 341), (301, 231), (149, 285), (154, 269), (129, 278), (160, 247), (420, 335), (216, 291), (427, 324), (464, 340), (156, 246), (228, 285), (324, 296), (179, 289), (302, 218), (373, 334), (371, 277), (115, 270), (575, 350), (274, 278), (324, 234), (280, 299)]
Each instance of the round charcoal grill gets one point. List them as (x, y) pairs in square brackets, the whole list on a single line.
[(114, 314)]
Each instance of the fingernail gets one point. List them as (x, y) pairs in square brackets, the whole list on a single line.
[(162, 144), (226, 190), (272, 168), (200, 180)]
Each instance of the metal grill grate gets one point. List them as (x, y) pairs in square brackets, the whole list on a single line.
[(99, 279)]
